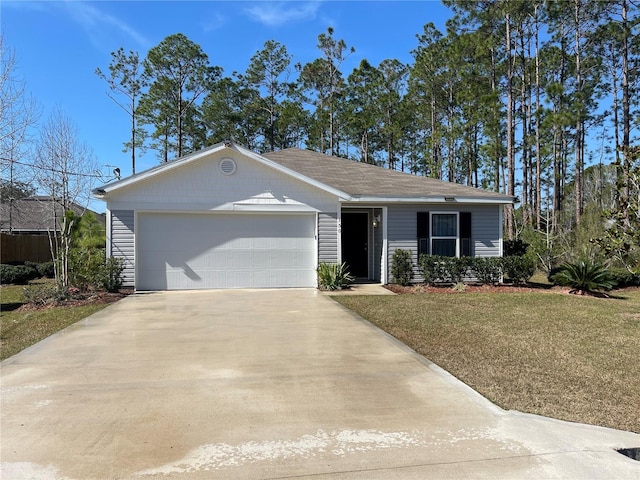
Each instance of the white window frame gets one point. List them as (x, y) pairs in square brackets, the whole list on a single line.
[(436, 237)]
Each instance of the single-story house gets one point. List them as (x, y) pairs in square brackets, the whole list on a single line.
[(227, 217), (36, 215)]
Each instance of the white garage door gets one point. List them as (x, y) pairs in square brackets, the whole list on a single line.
[(185, 251)]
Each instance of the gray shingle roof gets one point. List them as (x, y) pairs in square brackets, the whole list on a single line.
[(364, 180), (35, 214)]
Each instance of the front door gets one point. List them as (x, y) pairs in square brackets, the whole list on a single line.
[(355, 243)]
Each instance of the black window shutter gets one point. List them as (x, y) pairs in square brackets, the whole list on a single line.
[(465, 234), (465, 224), (423, 224)]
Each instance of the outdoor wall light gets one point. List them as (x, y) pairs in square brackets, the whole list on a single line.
[(376, 221)]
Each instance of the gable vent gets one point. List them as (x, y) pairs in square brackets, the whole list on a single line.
[(227, 166)]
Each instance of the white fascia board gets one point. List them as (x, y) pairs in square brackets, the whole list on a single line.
[(343, 196), (458, 200)]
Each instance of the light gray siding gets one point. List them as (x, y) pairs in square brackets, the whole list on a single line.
[(377, 247), (123, 242), (402, 232), (485, 228), (328, 237)]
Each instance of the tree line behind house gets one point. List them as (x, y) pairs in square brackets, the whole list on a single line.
[(533, 99)]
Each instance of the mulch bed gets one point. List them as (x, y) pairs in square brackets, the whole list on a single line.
[(90, 298)]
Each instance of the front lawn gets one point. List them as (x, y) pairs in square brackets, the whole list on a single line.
[(20, 328), (558, 355)]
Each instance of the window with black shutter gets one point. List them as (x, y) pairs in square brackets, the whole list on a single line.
[(444, 233)]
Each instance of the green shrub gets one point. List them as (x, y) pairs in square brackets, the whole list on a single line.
[(402, 267), (33, 265), (429, 267), (17, 274), (86, 267), (488, 270), (456, 268), (45, 269), (333, 276), (584, 277), (515, 248), (436, 268), (111, 277), (440, 268), (622, 278), (519, 269)]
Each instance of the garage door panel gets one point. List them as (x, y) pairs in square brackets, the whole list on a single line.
[(185, 251)]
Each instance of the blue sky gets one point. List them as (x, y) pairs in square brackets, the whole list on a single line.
[(59, 44)]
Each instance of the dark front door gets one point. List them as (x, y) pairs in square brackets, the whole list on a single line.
[(355, 243)]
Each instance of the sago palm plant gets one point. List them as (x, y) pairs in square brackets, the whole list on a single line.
[(584, 277)]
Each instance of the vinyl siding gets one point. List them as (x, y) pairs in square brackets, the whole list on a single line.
[(328, 237), (377, 248), (402, 233), (485, 229), (123, 242), (202, 187)]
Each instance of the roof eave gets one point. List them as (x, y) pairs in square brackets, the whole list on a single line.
[(437, 199)]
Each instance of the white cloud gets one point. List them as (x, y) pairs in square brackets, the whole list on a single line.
[(100, 25), (213, 21), (275, 14)]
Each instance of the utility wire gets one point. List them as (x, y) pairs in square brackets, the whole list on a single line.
[(54, 170)]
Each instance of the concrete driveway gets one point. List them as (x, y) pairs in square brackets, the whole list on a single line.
[(266, 384)]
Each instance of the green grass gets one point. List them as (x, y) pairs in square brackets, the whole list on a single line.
[(21, 329), (562, 356)]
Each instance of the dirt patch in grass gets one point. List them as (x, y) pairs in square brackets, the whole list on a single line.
[(563, 356)]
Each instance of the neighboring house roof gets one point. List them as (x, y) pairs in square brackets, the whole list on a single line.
[(349, 180), (35, 214)]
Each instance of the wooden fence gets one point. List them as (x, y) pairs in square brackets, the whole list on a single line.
[(24, 248)]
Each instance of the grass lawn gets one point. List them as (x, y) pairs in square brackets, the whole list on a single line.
[(21, 329), (563, 356)]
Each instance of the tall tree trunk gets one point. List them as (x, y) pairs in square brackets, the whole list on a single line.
[(451, 153), (497, 141), (133, 143), (510, 132), (557, 172), (436, 168), (525, 130), (616, 126), (469, 162), (179, 123), (626, 114), (579, 145), (272, 120), (538, 190)]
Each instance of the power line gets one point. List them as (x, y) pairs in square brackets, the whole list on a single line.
[(54, 170)]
